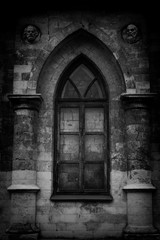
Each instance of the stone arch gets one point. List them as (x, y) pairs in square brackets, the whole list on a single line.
[(80, 59), (78, 44), (81, 42)]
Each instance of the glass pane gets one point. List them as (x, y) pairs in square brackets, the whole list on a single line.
[(94, 119), (94, 176), (69, 148), (94, 147), (82, 77), (68, 177), (94, 91), (69, 120), (69, 91)]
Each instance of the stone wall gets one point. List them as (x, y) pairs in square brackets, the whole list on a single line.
[(155, 87), (37, 68), (6, 123)]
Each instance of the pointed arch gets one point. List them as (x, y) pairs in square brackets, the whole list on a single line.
[(81, 47), (81, 163), (77, 43), (90, 78)]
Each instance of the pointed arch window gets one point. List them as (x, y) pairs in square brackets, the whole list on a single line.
[(81, 167)]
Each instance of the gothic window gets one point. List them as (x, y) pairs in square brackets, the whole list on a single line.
[(81, 164)]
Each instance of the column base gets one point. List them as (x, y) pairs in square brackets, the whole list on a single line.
[(20, 231), (141, 236), (141, 233), (33, 236)]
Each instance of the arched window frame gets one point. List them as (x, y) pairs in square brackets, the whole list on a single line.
[(82, 103)]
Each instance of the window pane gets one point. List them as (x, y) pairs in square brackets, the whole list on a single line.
[(94, 91), (94, 147), (69, 148), (68, 177), (94, 176), (94, 119), (82, 77), (69, 91), (69, 120)]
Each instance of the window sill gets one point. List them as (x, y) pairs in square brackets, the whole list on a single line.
[(75, 197)]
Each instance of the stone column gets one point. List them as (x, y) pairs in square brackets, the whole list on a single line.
[(23, 189), (139, 186)]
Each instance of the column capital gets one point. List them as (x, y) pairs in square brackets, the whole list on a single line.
[(142, 100), (23, 188), (25, 101), (135, 187)]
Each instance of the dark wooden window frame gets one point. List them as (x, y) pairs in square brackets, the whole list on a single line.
[(96, 195)]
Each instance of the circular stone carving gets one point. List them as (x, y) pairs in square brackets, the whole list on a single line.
[(131, 33), (31, 34)]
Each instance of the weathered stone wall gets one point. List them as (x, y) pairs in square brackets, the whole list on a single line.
[(80, 219), (6, 124), (38, 67), (154, 56)]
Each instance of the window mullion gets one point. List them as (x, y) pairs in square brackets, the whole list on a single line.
[(57, 144), (82, 147), (106, 148)]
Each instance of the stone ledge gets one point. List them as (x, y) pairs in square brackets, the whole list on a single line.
[(138, 96), (138, 100), (22, 187), (139, 187), (25, 101), (78, 197)]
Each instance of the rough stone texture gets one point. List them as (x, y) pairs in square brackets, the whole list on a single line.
[(155, 153), (138, 132), (37, 68), (6, 125), (139, 214), (24, 140), (23, 207)]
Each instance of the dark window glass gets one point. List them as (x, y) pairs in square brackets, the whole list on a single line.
[(69, 91), (81, 140), (94, 91), (82, 77)]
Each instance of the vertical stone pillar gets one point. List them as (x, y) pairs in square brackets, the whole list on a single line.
[(139, 187), (23, 189)]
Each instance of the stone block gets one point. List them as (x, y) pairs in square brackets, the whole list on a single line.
[(44, 156), (23, 177), (142, 87), (131, 90), (43, 197), (32, 86), (25, 76), (20, 87), (44, 180), (17, 76), (139, 176), (140, 219), (23, 163), (24, 200), (44, 166), (22, 69)]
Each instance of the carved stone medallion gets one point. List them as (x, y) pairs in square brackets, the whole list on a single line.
[(31, 34), (131, 33)]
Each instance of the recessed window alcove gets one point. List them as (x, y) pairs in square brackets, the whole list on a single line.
[(81, 166), (80, 83)]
